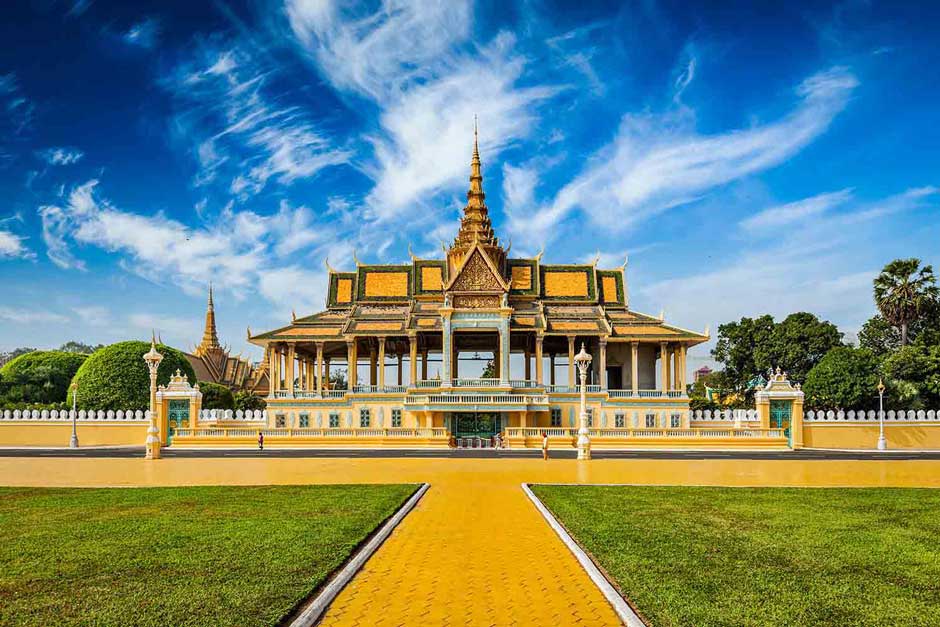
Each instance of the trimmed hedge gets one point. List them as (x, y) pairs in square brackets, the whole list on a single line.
[(215, 396), (39, 377), (116, 377), (245, 399)]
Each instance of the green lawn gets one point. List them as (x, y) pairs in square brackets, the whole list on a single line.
[(764, 556), (177, 556)]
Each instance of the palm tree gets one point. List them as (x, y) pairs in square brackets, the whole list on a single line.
[(903, 291)]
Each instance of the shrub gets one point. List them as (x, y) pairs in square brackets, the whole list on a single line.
[(215, 396), (41, 377), (116, 377), (245, 400), (846, 378)]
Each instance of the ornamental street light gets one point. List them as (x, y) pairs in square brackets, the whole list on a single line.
[(73, 441), (882, 442), (153, 359), (583, 361)]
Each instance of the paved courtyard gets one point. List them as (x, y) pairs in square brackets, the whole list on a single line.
[(474, 551)]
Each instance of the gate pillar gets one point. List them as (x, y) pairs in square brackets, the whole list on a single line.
[(180, 399), (779, 390)]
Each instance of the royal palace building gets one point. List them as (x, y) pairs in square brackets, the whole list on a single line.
[(403, 335)]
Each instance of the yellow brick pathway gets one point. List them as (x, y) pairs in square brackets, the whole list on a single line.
[(474, 551)]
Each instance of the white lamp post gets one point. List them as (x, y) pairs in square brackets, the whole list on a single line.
[(583, 361), (73, 441), (153, 359), (882, 442)]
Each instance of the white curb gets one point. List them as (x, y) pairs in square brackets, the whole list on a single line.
[(621, 607), (318, 605)]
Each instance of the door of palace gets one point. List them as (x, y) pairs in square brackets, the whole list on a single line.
[(614, 377), (780, 416), (177, 415), (475, 424)]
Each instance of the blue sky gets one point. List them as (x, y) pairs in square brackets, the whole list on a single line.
[(749, 158)]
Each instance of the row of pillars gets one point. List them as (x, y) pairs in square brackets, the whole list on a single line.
[(286, 366)]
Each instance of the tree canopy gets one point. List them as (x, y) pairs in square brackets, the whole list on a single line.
[(215, 396), (40, 377), (846, 378), (904, 291), (116, 376), (751, 346)]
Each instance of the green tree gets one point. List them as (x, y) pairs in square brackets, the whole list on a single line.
[(915, 368), (215, 396), (800, 342), (846, 378), (751, 346), (79, 347), (39, 377), (904, 291), (489, 371), (246, 399), (338, 379), (879, 336), (9, 356), (116, 376)]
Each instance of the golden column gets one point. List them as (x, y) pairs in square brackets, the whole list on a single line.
[(572, 382), (319, 368), (635, 368), (602, 364), (664, 367), (538, 359), (677, 359), (272, 369), (291, 355), (372, 367), (381, 364), (412, 359), (352, 356)]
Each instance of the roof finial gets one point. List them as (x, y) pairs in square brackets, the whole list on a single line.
[(210, 295)]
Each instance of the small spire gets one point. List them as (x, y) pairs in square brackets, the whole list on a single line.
[(210, 337)]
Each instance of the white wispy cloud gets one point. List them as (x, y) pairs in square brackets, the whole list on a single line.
[(94, 315), (164, 325), (242, 251), (241, 125), (781, 215), (808, 265), (19, 315), (414, 61), (61, 155), (17, 109), (144, 33), (12, 246), (658, 161)]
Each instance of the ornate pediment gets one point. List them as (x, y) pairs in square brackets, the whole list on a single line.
[(478, 274)]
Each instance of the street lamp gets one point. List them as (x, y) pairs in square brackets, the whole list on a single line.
[(583, 361), (153, 359), (73, 441), (882, 442)]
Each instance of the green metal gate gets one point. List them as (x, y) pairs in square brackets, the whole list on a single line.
[(780, 417), (177, 414)]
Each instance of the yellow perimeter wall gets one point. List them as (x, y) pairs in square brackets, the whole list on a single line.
[(865, 436), (55, 434)]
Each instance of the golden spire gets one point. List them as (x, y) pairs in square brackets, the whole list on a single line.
[(210, 338), (475, 225)]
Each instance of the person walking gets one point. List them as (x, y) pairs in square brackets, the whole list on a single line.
[(260, 441), (544, 445)]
